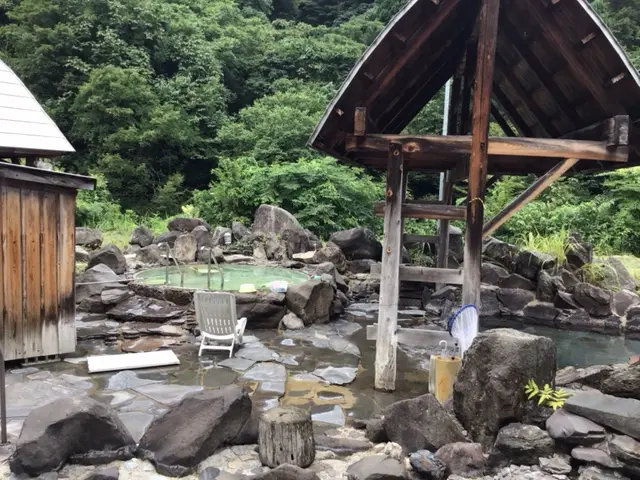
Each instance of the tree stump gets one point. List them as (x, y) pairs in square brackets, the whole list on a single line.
[(285, 435)]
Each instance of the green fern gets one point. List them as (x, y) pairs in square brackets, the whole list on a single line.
[(550, 397)]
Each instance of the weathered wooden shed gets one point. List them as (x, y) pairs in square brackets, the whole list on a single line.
[(37, 230), (548, 71)]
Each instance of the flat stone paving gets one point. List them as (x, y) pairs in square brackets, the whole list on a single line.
[(326, 368)]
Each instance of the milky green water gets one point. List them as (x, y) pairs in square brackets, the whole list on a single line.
[(195, 276)]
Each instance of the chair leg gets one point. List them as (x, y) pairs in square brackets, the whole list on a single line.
[(201, 347)]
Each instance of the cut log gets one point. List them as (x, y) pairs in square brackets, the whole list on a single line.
[(285, 435)]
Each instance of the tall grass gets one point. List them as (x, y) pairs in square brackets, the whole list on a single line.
[(555, 244)]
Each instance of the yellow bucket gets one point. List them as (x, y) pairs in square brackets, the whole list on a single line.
[(443, 371)]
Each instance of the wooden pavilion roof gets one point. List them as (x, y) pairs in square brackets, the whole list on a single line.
[(558, 70)]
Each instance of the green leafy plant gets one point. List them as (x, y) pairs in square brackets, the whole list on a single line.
[(554, 244), (550, 397), (599, 273)]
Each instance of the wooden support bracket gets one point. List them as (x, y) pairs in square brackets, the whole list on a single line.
[(420, 210), (410, 273)]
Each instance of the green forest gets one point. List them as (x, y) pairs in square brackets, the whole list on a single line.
[(203, 107)]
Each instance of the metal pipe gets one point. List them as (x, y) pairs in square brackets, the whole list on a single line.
[(166, 268), (3, 402), (209, 272)]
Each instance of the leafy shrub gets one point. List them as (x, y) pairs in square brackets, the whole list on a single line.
[(548, 396), (325, 196)]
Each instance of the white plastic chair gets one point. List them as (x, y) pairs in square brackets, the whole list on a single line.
[(217, 320)]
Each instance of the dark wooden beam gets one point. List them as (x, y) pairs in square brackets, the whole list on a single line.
[(467, 87), (504, 101), (417, 238), (504, 125), (536, 66), (22, 173), (387, 342), (360, 121), (389, 75), (613, 132), (525, 97), (457, 145), (451, 276), (577, 64), (478, 164), (422, 210), (528, 195)]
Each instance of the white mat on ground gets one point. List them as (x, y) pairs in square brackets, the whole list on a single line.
[(130, 361)]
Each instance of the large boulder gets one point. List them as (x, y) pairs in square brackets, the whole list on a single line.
[(574, 429), (262, 310), (358, 243), (594, 300), (217, 237), (185, 248), (464, 459), (620, 277), (578, 253), (623, 300), (296, 241), (427, 465), (192, 430), (492, 274), (500, 252), (142, 309), (517, 281), (186, 224), (621, 414), (515, 299), (88, 237), (489, 390), (111, 256), (420, 424), (272, 219), (624, 382), (520, 444), (82, 255), (71, 426), (333, 255), (239, 231), (167, 237), (311, 301), (149, 255), (203, 237), (529, 263), (377, 467), (142, 236), (91, 283)]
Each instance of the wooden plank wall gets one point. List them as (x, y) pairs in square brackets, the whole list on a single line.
[(37, 308)]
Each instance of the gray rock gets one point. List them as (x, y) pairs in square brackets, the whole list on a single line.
[(592, 376), (621, 414), (344, 446), (288, 472), (333, 255), (68, 426), (262, 310), (492, 274), (595, 473), (239, 364), (500, 252), (624, 382), (578, 253), (361, 266), (541, 313), (272, 219), (520, 444), (82, 255), (594, 300), (464, 459), (145, 310), (489, 303), (358, 243), (489, 390), (192, 430), (529, 263), (239, 231), (515, 299), (113, 296), (427, 465), (149, 255), (377, 467), (622, 278), (517, 281), (574, 429), (91, 283), (267, 372), (310, 301), (626, 450), (420, 424), (203, 237), (375, 431), (633, 321), (592, 455), (185, 248), (556, 465), (186, 224), (111, 256), (90, 238), (217, 255), (217, 237), (623, 300), (108, 473), (142, 236), (337, 375), (565, 301), (547, 287), (296, 241), (292, 322), (167, 237)]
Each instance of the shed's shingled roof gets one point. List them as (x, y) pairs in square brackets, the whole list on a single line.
[(558, 69), (25, 128)]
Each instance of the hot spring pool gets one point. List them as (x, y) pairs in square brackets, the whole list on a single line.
[(195, 276)]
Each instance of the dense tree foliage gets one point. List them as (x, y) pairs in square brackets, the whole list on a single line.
[(207, 105)]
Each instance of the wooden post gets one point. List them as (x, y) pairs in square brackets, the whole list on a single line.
[(487, 39), (529, 194), (387, 342), (285, 435)]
